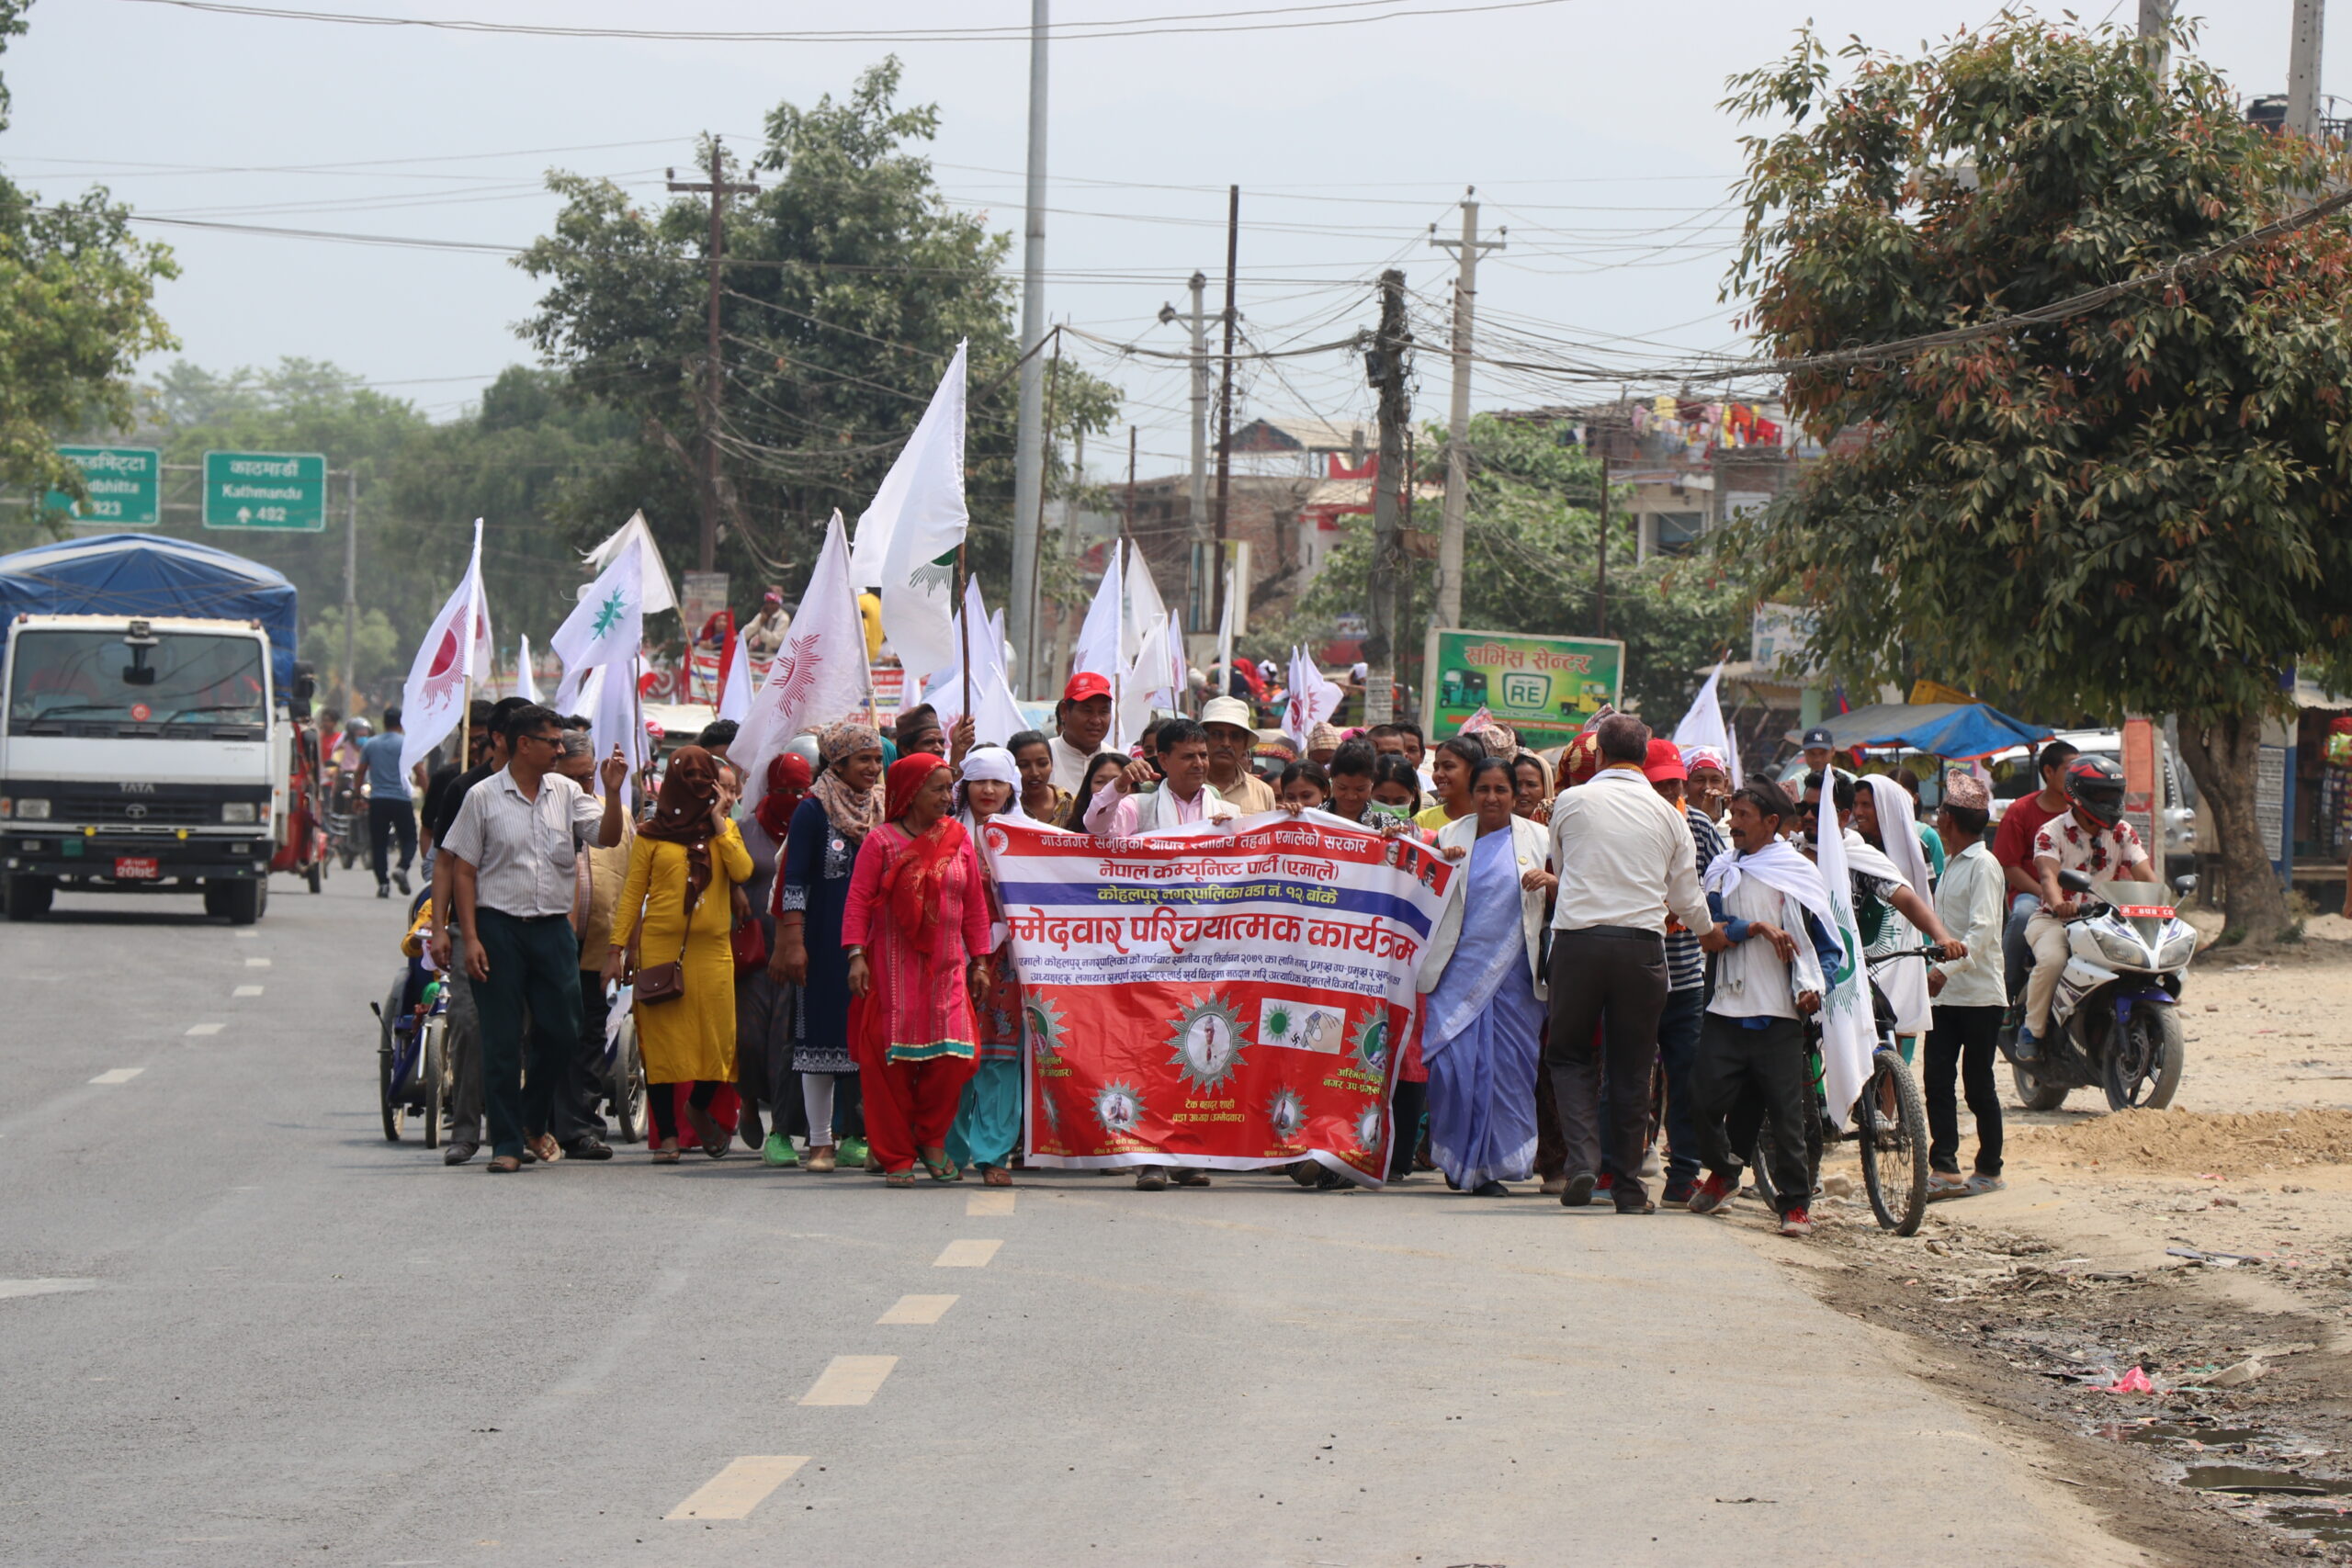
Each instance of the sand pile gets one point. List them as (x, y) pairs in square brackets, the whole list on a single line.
[(2193, 1143)]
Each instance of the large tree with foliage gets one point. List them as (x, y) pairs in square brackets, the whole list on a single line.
[(848, 281), (1530, 563), (2139, 507), (77, 309)]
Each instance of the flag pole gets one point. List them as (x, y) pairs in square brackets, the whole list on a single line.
[(964, 630), (636, 707)]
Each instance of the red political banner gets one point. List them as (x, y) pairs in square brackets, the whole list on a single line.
[(1228, 997)]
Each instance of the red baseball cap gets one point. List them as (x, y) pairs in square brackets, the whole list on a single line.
[(1664, 762), (1085, 684)]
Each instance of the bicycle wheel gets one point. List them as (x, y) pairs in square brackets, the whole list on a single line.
[(392, 1108), (627, 1087), (1894, 1145), (431, 1074)]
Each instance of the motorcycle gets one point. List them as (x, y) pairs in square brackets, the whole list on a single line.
[(2115, 1018)]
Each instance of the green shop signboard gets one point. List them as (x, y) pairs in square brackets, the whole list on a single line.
[(1543, 687)]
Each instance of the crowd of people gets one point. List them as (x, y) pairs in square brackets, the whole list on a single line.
[(1632, 945)]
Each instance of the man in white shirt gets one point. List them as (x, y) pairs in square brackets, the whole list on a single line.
[(1970, 994), (1773, 949), (1132, 805), (1624, 859), (1082, 719), (511, 853)]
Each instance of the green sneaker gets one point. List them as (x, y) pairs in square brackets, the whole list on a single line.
[(853, 1154), (778, 1151)]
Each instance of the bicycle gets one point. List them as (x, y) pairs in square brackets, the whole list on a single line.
[(1889, 1119)]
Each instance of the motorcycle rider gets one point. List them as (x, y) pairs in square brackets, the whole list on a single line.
[(2091, 837)]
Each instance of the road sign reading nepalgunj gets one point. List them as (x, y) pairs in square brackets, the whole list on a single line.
[(125, 486), (1543, 687), (285, 490)]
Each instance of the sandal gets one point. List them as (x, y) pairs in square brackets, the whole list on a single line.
[(899, 1178), (666, 1156), (1981, 1183), (941, 1169), (1946, 1184), (995, 1176), (714, 1137)]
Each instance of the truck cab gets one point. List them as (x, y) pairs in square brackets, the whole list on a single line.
[(141, 754)]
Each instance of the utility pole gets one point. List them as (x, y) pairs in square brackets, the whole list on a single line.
[(1128, 524), (2302, 67), (1029, 437), (1225, 400), (351, 593), (1384, 368), (2155, 35), (1457, 429), (1197, 513), (1600, 578), (719, 188)]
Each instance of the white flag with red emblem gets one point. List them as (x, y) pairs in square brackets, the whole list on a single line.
[(447, 662), (820, 676)]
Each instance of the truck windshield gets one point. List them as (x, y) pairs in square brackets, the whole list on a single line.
[(170, 683)]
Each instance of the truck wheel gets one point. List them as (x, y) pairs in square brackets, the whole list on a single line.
[(242, 902), (29, 896)]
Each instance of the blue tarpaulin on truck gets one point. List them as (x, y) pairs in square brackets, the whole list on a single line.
[(147, 574)]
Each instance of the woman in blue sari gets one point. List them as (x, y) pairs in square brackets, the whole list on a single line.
[(1482, 1015)]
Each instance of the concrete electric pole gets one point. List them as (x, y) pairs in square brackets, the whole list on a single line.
[(1457, 429), (2155, 34), (2302, 67), (719, 189), (1225, 402), (1029, 436), (1384, 368)]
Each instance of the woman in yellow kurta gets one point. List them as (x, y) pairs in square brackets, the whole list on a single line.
[(679, 901)]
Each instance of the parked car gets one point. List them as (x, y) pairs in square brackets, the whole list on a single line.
[(2014, 779)]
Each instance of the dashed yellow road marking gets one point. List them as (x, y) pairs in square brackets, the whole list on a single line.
[(198, 1031), (742, 1487), (246, 991), (998, 1203), (849, 1380), (966, 1254), (918, 1309), (118, 1074)]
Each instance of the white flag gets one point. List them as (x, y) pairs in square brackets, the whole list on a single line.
[(1704, 726), (1146, 608), (995, 718), (1225, 641), (908, 538), (608, 623), (1156, 680), (527, 680), (609, 693), (820, 676), (1097, 650), (1849, 1022), (735, 697), (658, 596), (447, 660), (1313, 699)]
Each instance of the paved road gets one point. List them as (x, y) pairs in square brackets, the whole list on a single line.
[(238, 1327)]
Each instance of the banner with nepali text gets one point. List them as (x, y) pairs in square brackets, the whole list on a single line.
[(1228, 997)]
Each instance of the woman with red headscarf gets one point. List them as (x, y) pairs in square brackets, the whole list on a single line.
[(682, 873), (764, 1003), (917, 934)]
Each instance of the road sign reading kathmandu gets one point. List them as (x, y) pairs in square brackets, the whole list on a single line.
[(266, 489), (125, 486), (1543, 687)]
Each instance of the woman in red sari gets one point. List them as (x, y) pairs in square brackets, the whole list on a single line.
[(916, 930)]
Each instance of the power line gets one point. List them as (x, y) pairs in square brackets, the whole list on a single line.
[(1133, 27)]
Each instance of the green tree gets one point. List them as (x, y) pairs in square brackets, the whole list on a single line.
[(77, 309), (2140, 507), (848, 281), (377, 650), (1530, 558)]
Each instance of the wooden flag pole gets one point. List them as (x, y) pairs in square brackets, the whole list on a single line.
[(963, 625)]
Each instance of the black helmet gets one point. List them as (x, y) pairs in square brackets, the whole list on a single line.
[(2095, 789)]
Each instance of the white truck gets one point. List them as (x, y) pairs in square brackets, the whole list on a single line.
[(141, 753)]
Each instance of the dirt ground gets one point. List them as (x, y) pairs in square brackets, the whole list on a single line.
[(2162, 1298)]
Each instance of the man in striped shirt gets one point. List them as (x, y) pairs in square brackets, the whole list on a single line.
[(1686, 982)]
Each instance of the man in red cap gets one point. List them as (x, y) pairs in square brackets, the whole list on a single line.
[(1083, 718)]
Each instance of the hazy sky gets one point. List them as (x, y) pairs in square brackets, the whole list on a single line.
[(1591, 129)]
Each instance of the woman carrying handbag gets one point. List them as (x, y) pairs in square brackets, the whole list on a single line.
[(682, 872)]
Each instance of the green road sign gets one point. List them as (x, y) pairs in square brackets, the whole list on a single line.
[(266, 489), (125, 486), (1543, 687)]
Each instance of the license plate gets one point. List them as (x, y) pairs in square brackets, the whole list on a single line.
[(2145, 912), (137, 868)]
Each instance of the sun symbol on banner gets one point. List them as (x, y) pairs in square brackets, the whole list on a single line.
[(1044, 1024), (1370, 1042), (1368, 1129), (1287, 1114), (1207, 1042), (1119, 1108)]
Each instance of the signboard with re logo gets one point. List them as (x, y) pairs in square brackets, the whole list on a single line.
[(1543, 687)]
